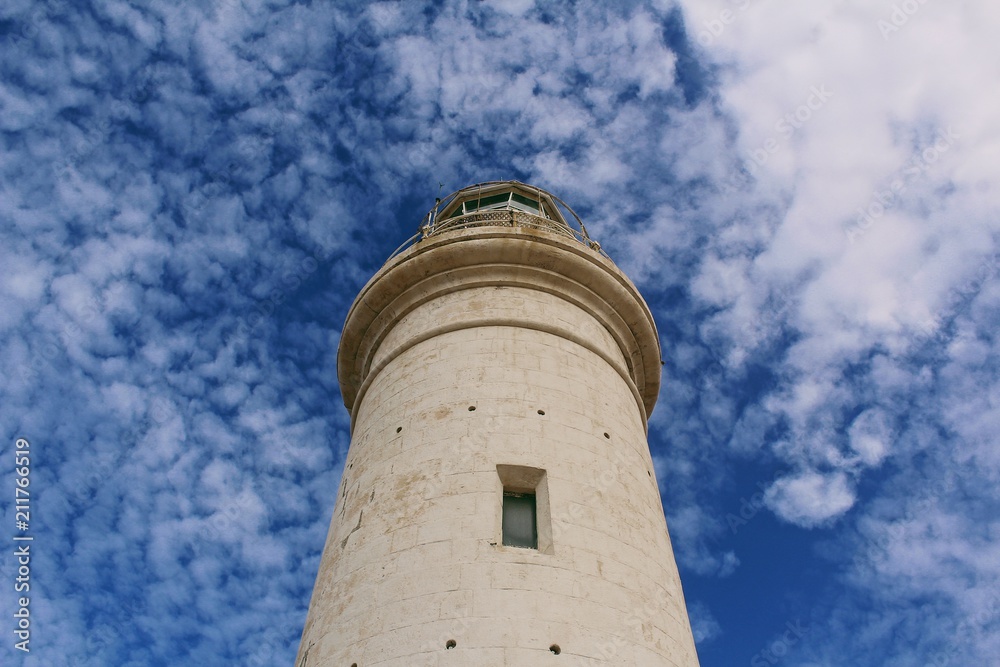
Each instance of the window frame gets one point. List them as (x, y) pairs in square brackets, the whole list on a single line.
[(525, 480)]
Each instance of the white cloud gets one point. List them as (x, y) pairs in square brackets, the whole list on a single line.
[(871, 436), (703, 624), (810, 499)]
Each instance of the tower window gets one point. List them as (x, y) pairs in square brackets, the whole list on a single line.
[(504, 200), (520, 526), (523, 508)]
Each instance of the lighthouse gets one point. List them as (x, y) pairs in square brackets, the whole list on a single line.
[(498, 505)]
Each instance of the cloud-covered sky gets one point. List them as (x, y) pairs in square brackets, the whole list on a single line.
[(191, 196)]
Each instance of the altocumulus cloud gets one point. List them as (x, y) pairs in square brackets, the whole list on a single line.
[(191, 196)]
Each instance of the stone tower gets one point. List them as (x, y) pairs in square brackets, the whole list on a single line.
[(498, 505)]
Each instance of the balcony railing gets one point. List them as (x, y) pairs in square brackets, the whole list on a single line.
[(499, 218), (433, 225)]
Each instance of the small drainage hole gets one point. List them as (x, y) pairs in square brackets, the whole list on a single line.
[(541, 412), (472, 408), (649, 473), (555, 649), (398, 429), (607, 436), (450, 644)]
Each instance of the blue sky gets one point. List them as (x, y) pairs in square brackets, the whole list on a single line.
[(805, 193)]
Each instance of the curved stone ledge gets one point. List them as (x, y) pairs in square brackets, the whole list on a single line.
[(501, 257)]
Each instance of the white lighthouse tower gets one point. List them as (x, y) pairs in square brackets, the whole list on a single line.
[(498, 505)]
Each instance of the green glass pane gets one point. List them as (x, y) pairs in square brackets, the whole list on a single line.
[(519, 528), (493, 201), (521, 199)]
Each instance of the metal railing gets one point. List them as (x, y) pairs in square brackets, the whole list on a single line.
[(500, 218), (432, 225)]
